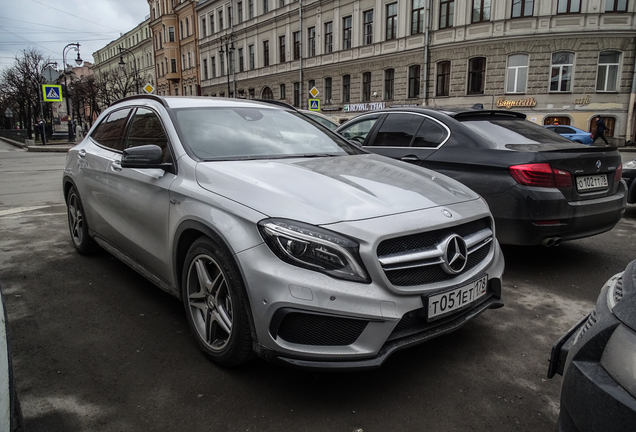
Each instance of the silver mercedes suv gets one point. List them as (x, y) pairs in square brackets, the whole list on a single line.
[(281, 238)]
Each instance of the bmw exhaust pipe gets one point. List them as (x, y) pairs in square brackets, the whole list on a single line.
[(551, 241)]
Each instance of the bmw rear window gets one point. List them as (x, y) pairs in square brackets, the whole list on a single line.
[(505, 132)]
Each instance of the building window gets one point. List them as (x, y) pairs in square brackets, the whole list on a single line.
[(171, 34), (265, 6), (220, 20), (481, 10), (250, 6), (328, 37), (213, 66), (183, 63), (607, 72), (389, 76), (476, 75), (282, 91), (346, 88), (251, 93), (181, 29), (568, 6), (281, 3), (517, 73), (297, 94), (311, 39), (561, 73), (173, 63), (522, 8), (204, 28), (267, 94), (615, 5), (251, 53), (346, 32), (187, 27), (368, 27), (212, 24), (366, 87), (414, 81), (230, 61), (443, 79), (417, 17), (189, 60), (296, 37), (563, 121), (222, 64), (327, 91), (281, 48), (241, 66), (230, 16), (265, 53), (205, 68), (239, 9), (391, 21), (311, 84)]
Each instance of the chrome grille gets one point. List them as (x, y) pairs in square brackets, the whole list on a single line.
[(417, 259)]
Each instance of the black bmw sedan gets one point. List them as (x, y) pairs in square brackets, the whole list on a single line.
[(541, 187)]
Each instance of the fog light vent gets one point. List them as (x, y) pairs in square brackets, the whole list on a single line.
[(323, 330)]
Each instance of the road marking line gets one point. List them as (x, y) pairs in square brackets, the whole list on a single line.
[(21, 210), (35, 215)]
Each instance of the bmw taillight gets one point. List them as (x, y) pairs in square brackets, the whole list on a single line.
[(618, 174), (541, 175)]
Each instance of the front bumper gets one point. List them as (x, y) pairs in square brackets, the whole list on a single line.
[(308, 319), (591, 400), (526, 216)]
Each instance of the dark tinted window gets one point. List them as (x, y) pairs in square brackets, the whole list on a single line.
[(398, 130), (431, 134), (146, 129), (502, 132), (110, 132)]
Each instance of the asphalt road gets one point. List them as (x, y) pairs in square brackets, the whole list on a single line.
[(98, 348)]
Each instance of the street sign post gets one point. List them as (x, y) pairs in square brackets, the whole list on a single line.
[(51, 93)]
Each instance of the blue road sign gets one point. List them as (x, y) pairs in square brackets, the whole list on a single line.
[(51, 93), (314, 104)]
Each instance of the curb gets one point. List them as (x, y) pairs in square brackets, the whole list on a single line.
[(50, 148)]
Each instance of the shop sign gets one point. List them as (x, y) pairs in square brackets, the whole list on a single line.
[(518, 103), (582, 101), (364, 107)]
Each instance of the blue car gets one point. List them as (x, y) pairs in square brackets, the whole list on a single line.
[(572, 133)]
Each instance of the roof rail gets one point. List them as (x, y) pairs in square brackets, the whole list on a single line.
[(156, 98), (276, 102)]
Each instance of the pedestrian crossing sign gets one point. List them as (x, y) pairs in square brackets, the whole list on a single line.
[(314, 104), (51, 93)]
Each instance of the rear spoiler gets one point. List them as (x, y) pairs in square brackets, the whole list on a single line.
[(490, 114)]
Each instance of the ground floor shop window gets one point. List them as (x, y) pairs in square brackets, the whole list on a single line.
[(557, 121), (610, 123)]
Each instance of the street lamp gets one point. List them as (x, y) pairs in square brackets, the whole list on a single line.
[(122, 65), (78, 61), (40, 100), (228, 41)]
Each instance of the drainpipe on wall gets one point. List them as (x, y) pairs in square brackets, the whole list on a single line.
[(300, 60), (630, 112), (427, 23)]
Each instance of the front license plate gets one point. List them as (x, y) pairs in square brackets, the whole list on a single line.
[(449, 301), (584, 183)]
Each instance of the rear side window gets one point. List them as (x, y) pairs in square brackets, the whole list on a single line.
[(110, 132), (431, 134), (502, 132), (398, 130)]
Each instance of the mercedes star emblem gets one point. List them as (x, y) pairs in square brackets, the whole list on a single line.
[(455, 254)]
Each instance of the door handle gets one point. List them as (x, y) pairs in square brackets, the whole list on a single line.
[(115, 166), (410, 158), (81, 153)]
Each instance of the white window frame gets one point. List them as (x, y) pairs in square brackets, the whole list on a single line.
[(515, 71)]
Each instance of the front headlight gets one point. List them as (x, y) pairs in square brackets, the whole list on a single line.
[(619, 358), (314, 248), (629, 164)]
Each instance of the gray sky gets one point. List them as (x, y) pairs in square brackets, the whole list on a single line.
[(49, 25)]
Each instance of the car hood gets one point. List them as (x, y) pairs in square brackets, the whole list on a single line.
[(330, 189), (625, 309)]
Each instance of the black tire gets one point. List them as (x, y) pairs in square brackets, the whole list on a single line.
[(215, 302), (77, 224)]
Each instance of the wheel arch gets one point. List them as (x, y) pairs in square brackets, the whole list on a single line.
[(67, 184)]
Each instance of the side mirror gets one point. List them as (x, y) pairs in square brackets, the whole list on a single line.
[(146, 156)]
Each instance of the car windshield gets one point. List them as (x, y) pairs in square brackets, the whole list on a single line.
[(255, 133), (503, 132)]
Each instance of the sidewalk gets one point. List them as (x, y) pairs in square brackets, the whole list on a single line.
[(51, 147)]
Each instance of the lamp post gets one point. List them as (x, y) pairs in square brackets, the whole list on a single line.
[(78, 61), (228, 41), (40, 99), (122, 65)]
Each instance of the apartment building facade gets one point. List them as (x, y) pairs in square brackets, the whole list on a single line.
[(174, 38), (560, 61)]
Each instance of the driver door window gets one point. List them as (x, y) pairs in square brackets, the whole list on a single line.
[(146, 128)]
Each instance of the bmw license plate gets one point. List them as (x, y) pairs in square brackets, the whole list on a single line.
[(450, 301), (584, 183)]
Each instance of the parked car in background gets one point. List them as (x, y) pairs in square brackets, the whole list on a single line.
[(10, 411), (572, 133), (597, 360), (324, 120), (280, 237), (629, 175), (541, 187)]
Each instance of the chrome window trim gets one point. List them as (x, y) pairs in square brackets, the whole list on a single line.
[(448, 131)]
